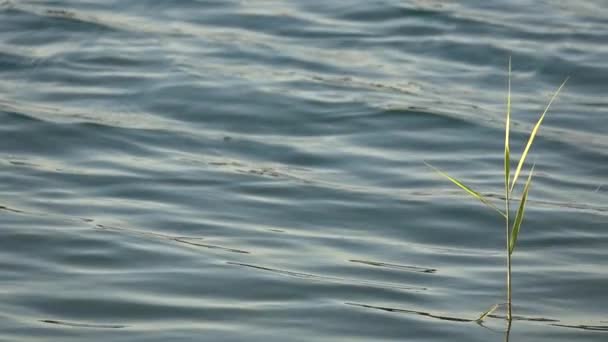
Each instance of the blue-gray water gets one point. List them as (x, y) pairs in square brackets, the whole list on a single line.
[(252, 170)]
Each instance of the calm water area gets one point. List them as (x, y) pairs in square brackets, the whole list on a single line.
[(254, 170)]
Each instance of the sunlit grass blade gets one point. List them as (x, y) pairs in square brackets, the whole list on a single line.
[(519, 217), (466, 189), (522, 159), (507, 129), (487, 313)]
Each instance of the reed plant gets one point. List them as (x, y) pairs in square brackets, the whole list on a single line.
[(512, 224)]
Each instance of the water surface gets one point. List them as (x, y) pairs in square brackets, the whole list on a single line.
[(254, 170)]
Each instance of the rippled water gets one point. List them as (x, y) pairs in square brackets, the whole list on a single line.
[(253, 170)]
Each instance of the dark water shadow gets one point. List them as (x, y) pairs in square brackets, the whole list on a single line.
[(191, 241), (83, 325), (548, 321), (395, 266), (278, 172), (419, 313), (186, 240), (68, 16), (5, 208), (322, 278), (583, 327)]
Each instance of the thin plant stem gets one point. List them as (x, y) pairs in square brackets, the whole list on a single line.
[(509, 298), (507, 167), (508, 331)]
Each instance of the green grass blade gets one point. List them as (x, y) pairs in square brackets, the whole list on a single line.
[(468, 190), (507, 129), (519, 217), (487, 313), (522, 159)]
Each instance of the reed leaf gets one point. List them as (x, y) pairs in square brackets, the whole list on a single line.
[(522, 159), (487, 313), (519, 217), (468, 190)]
